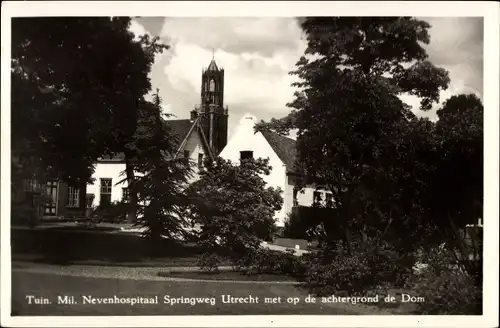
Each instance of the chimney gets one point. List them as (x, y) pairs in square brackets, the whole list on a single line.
[(194, 115)]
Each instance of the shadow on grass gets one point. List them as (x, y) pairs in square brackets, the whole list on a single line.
[(67, 245)]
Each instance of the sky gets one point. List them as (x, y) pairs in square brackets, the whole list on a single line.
[(258, 53)]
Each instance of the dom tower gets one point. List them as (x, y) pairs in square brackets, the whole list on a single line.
[(214, 116)]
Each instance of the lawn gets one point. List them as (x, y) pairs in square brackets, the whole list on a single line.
[(51, 286), (64, 245), (225, 275)]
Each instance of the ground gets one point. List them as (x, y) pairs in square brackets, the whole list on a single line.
[(52, 281), (50, 262)]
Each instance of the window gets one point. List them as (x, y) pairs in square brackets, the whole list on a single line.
[(90, 200), (105, 191), (29, 185), (200, 161), (186, 154), (125, 194), (212, 86), (246, 155), (73, 197), (317, 197)]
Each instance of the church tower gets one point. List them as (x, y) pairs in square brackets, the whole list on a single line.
[(214, 117)]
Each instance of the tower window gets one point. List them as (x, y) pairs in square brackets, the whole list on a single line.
[(212, 86), (247, 154)]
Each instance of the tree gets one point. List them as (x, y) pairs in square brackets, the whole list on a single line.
[(233, 205), (161, 179), (352, 126), (75, 97), (455, 196)]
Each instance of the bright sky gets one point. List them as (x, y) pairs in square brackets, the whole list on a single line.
[(258, 53)]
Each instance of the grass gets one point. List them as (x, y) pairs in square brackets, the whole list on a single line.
[(225, 275), (85, 228), (51, 286), (72, 246)]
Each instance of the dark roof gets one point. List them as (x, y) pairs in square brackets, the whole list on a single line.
[(180, 128), (284, 147), (213, 66), (116, 158)]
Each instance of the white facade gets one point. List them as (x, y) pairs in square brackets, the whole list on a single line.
[(244, 139), (115, 170), (108, 170)]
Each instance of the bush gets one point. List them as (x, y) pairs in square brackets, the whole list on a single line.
[(271, 262), (115, 212), (447, 288), (294, 227), (210, 262), (372, 265)]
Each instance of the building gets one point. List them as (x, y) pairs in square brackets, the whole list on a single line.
[(281, 151), (203, 134)]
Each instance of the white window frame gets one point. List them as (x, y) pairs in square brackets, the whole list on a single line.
[(73, 197), (105, 189)]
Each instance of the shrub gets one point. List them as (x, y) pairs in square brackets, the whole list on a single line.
[(115, 212), (271, 262), (371, 265), (447, 288), (233, 206), (294, 227), (210, 262)]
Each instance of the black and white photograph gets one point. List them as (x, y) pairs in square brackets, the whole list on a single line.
[(207, 166)]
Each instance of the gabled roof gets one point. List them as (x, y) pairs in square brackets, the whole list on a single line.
[(183, 138), (182, 129), (283, 147)]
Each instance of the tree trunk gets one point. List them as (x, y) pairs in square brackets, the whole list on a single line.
[(132, 209)]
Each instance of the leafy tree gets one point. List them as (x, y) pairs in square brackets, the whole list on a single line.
[(160, 179), (233, 205), (352, 126), (74, 96), (455, 196)]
